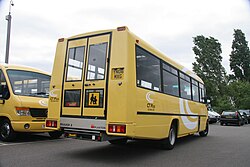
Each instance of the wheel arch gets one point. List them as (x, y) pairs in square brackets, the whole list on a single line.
[(4, 117), (175, 122)]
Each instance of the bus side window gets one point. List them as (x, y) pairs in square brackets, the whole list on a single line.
[(5, 94), (147, 70)]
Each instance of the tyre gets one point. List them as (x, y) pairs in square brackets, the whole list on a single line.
[(240, 123), (55, 134), (205, 132), (168, 143), (119, 141), (221, 123), (6, 131)]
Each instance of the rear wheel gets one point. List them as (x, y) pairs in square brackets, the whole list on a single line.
[(205, 132), (55, 134), (6, 131), (119, 141), (169, 142)]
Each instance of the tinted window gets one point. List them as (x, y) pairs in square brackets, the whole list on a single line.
[(170, 83), (228, 113), (3, 84), (72, 98), (75, 63), (170, 69), (202, 92), (185, 86), (147, 70), (29, 83), (97, 61), (195, 90)]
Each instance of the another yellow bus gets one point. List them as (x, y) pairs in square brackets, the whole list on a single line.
[(111, 85), (23, 101)]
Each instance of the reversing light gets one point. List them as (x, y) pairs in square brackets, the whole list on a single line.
[(50, 123), (112, 128)]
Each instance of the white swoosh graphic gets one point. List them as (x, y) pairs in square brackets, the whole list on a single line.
[(188, 124), (52, 93), (43, 103), (189, 111), (148, 97)]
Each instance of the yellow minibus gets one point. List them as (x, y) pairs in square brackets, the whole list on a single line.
[(23, 101), (110, 85)]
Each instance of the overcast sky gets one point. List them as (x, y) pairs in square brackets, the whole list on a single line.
[(167, 25)]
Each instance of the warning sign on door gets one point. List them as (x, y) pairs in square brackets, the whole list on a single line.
[(94, 99)]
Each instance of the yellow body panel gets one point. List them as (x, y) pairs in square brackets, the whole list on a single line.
[(126, 103), (8, 108)]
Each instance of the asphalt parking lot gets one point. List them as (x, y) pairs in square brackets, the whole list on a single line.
[(224, 146)]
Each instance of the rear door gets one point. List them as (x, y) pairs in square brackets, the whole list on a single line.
[(85, 76)]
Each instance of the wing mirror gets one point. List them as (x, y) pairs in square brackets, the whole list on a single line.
[(4, 93), (207, 100)]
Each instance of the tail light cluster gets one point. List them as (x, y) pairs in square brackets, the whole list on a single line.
[(112, 128), (51, 124)]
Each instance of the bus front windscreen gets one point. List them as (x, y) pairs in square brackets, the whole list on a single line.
[(27, 83)]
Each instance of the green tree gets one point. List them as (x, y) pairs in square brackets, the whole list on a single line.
[(239, 92), (240, 57), (208, 66)]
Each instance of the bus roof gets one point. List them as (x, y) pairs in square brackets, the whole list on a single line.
[(21, 67), (147, 46)]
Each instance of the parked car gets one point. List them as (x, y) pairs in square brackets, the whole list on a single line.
[(217, 115), (231, 117), (212, 118), (246, 113)]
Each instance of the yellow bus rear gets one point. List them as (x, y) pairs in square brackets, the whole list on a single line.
[(111, 85)]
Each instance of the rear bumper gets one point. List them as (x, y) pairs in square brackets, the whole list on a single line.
[(232, 121), (213, 120), (18, 126), (88, 135)]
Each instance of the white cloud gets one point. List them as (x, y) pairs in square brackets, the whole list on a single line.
[(167, 25)]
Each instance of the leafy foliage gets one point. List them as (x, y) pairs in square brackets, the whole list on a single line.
[(208, 65), (239, 92), (227, 92), (240, 57)]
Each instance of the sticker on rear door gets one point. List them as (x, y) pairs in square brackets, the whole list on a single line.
[(94, 98)]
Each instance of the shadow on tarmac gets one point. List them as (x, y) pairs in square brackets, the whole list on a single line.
[(122, 154), (29, 137)]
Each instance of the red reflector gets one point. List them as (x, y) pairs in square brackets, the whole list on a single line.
[(61, 40), (121, 28)]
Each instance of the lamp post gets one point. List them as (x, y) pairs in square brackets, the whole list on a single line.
[(8, 18)]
